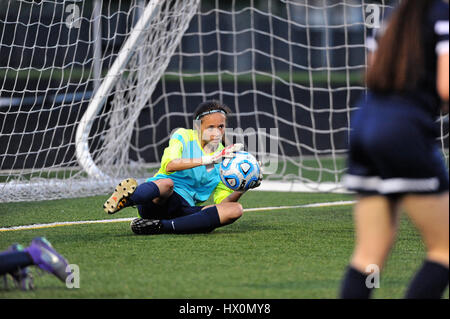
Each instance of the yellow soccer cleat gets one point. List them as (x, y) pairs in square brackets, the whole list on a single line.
[(121, 196)]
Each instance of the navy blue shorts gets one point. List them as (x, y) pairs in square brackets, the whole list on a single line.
[(175, 206), (394, 149)]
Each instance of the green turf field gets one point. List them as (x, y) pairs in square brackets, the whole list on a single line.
[(286, 253)]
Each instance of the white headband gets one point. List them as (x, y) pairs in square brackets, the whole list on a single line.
[(209, 112)]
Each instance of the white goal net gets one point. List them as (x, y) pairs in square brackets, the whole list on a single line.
[(90, 91)]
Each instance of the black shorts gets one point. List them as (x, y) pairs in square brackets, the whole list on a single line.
[(394, 149), (175, 206)]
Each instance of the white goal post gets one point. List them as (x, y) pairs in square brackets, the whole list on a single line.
[(90, 91), (130, 47)]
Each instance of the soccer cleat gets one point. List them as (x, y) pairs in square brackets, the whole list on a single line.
[(22, 276), (141, 226), (120, 198), (47, 258)]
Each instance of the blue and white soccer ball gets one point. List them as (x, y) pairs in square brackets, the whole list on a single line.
[(240, 172)]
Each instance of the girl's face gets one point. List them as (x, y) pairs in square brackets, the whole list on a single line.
[(212, 129)]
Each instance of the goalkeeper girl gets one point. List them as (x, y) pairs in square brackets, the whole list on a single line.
[(394, 160), (170, 202)]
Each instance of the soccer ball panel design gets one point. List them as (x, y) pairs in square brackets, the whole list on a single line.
[(245, 167), (240, 172)]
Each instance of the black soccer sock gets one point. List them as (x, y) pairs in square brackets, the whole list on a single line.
[(354, 285), (203, 221), (429, 282), (12, 260), (145, 193)]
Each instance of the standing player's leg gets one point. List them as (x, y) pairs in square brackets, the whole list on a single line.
[(430, 214), (376, 220)]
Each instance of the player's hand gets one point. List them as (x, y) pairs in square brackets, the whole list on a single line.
[(217, 157)]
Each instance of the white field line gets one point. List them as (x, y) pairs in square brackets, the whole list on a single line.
[(118, 220)]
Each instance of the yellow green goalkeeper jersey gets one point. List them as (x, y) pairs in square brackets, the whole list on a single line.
[(196, 184)]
